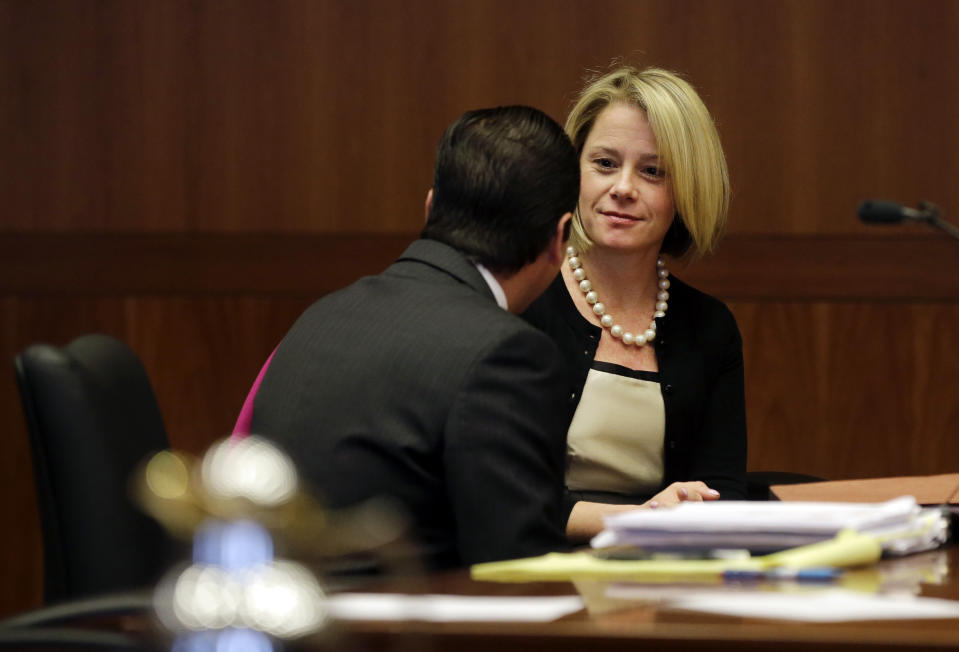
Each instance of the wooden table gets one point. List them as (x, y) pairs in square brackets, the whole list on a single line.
[(624, 625)]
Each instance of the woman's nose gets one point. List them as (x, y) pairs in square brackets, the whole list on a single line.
[(624, 187)]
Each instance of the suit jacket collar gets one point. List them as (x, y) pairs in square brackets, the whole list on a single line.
[(447, 259)]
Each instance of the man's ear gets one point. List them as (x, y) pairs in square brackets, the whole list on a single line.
[(429, 202), (557, 245)]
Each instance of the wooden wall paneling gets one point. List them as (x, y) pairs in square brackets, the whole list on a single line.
[(920, 266), (917, 266), (323, 116), (96, 117), (851, 389), (278, 116), (935, 394), (843, 118), (859, 372), (20, 557), (781, 390), (203, 354), (249, 264)]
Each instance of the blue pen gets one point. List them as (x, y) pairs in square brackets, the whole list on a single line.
[(816, 574)]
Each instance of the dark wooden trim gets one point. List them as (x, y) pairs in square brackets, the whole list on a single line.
[(249, 264), (793, 268), (831, 268)]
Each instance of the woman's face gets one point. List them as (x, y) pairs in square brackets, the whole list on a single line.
[(625, 196)]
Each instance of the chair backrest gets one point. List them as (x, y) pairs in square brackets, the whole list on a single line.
[(92, 418)]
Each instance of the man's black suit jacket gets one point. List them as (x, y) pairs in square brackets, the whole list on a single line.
[(413, 384)]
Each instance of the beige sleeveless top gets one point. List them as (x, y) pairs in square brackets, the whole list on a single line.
[(615, 441)]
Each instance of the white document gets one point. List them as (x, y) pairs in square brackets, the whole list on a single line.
[(451, 608), (835, 605), (766, 516)]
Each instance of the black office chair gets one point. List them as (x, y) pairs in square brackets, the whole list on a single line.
[(92, 418)]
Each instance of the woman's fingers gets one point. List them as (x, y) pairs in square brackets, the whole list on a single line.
[(693, 496), (695, 491), (679, 492)]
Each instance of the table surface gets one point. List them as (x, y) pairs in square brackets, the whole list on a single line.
[(608, 624)]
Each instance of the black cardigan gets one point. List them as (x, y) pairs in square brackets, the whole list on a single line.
[(700, 357)]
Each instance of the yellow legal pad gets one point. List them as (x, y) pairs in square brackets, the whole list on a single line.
[(846, 550)]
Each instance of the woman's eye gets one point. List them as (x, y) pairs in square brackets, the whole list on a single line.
[(654, 171), (604, 163)]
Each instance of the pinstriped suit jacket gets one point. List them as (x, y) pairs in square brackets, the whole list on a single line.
[(413, 384)]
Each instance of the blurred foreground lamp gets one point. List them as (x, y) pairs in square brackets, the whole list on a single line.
[(235, 595)]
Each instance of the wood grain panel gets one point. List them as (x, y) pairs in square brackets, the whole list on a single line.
[(321, 115), (203, 355), (173, 264), (826, 268), (847, 390), (823, 113), (917, 267), (20, 555)]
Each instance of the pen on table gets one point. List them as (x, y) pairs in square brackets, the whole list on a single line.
[(632, 553), (816, 574)]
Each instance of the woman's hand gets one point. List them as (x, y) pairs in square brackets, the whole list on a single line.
[(679, 492), (586, 519)]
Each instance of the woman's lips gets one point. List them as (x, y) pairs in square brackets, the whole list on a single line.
[(620, 217)]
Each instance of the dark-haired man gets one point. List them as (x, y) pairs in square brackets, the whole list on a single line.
[(420, 384)]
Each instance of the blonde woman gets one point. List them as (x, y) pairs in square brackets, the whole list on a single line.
[(656, 369)]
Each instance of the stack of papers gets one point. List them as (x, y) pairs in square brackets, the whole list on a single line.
[(900, 525)]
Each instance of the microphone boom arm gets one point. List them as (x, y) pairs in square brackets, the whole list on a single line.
[(930, 214)]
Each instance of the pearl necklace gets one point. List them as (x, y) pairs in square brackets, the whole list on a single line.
[(627, 338)]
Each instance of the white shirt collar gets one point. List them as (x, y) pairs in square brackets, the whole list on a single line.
[(494, 286)]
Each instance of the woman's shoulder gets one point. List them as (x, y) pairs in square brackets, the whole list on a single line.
[(706, 312), (684, 293)]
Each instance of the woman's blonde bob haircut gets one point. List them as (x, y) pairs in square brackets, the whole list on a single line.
[(689, 149)]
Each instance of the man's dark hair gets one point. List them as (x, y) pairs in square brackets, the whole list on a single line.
[(503, 178)]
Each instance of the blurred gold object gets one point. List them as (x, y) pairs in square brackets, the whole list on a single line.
[(166, 489), (167, 475), (243, 508), (251, 479)]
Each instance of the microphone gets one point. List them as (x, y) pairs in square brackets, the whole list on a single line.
[(880, 211)]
